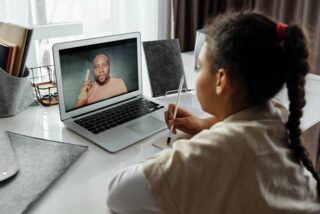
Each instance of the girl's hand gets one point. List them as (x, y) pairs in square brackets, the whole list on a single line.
[(186, 121)]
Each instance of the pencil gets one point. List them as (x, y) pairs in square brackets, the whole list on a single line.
[(176, 108)]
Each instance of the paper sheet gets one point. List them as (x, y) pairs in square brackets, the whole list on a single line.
[(160, 140)]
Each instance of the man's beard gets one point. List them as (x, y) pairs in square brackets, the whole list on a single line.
[(104, 81)]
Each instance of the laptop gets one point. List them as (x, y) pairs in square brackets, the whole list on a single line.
[(99, 83)]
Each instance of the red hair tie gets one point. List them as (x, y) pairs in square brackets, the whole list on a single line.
[(281, 28)]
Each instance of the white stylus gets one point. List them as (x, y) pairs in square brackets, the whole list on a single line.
[(176, 108)]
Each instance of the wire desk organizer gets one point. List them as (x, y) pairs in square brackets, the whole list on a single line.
[(44, 84)]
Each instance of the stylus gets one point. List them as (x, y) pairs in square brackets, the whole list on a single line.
[(176, 108)]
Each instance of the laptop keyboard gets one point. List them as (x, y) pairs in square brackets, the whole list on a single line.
[(118, 115)]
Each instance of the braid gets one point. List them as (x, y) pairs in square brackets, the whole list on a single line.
[(297, 52)]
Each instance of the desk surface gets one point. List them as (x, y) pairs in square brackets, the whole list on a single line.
[(83, 188)]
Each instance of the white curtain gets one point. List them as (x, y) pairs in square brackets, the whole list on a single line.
[(61, 20), (152, 18), (15, 11)]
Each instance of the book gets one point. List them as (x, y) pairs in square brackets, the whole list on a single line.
[(20, 36), (12, 59), (25, 53), (4, 56), (12, 55)]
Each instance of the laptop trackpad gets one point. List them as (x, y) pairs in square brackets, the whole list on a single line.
[(146, 126)]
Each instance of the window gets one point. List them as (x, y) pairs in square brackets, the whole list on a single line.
[(62, 20), (55, 11)]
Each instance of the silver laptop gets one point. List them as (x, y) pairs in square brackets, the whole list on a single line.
[(99, 85)]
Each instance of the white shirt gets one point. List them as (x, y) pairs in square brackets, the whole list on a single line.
[(241, 165), (129, 193)]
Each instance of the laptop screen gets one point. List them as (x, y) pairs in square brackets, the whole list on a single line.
[(95, 73)]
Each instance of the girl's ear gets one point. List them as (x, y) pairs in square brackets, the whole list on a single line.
[(222, 81)]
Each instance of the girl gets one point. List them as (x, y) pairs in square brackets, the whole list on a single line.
[(249, 157)]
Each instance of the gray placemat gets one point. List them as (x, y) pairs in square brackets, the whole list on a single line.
[(41, 163)]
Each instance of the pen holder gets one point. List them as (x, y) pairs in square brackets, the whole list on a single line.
[(44, 84), (15, 93)]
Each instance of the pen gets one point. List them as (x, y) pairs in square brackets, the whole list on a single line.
[(176, 108)]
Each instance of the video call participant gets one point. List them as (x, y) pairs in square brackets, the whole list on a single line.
[(103, 85)]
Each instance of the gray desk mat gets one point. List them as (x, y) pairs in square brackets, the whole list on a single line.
[(41, 163)]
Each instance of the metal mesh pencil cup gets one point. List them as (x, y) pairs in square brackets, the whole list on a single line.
[(44, 84)]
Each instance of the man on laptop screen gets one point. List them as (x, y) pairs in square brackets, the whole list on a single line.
[(98, 72), (103, 85)]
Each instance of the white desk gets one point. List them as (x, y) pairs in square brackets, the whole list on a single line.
[(83, 188)]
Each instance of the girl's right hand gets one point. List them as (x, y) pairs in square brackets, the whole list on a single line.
[(185, 121)]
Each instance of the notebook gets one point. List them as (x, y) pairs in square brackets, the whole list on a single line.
[(99, 84)]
